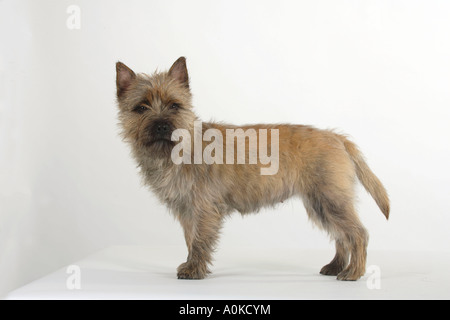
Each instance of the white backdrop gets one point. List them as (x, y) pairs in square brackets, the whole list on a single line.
[(377, 70)]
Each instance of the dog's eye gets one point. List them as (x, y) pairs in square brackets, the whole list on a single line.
[(140, 109), (175, 106)]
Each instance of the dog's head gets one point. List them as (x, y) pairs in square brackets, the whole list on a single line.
[(152, 107)]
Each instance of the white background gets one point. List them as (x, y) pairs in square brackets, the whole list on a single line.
[(377, 70)]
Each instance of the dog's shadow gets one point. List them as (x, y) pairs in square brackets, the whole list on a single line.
[(268, 273), (245, 270)]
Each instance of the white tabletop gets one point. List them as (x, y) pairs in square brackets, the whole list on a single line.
[(133, 272)]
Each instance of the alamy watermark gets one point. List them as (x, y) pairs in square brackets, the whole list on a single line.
[(235, 139), (73, 281), (374, 279), (73, 21)]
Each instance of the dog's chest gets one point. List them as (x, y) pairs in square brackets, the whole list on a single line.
[(172, 184)]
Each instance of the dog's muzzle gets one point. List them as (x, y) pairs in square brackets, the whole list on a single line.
[(160, 131)]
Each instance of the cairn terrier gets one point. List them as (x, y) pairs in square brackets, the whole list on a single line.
[(318, 166)]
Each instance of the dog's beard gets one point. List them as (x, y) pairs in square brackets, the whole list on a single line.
[(160, 148)]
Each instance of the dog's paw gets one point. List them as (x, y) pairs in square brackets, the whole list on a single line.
[(350, 274), (190, 271), (331, 270)]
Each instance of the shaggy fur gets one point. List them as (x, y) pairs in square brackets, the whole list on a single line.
[(318, 166)]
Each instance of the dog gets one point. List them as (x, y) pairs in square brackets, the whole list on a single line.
[(319, 166)]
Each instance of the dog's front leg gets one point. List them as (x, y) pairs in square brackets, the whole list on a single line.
[(201, 231)]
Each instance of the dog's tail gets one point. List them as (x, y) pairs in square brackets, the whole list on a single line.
[(367, 178)]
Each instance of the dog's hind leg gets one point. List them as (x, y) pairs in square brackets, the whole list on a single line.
[(337, 216), (339, 262)]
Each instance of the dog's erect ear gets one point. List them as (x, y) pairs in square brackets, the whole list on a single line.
[(179, 71), (124, 78)]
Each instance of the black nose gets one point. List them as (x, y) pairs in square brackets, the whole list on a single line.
[(162, 129)]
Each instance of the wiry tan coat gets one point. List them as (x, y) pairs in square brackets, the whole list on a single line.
[(318, 166)]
